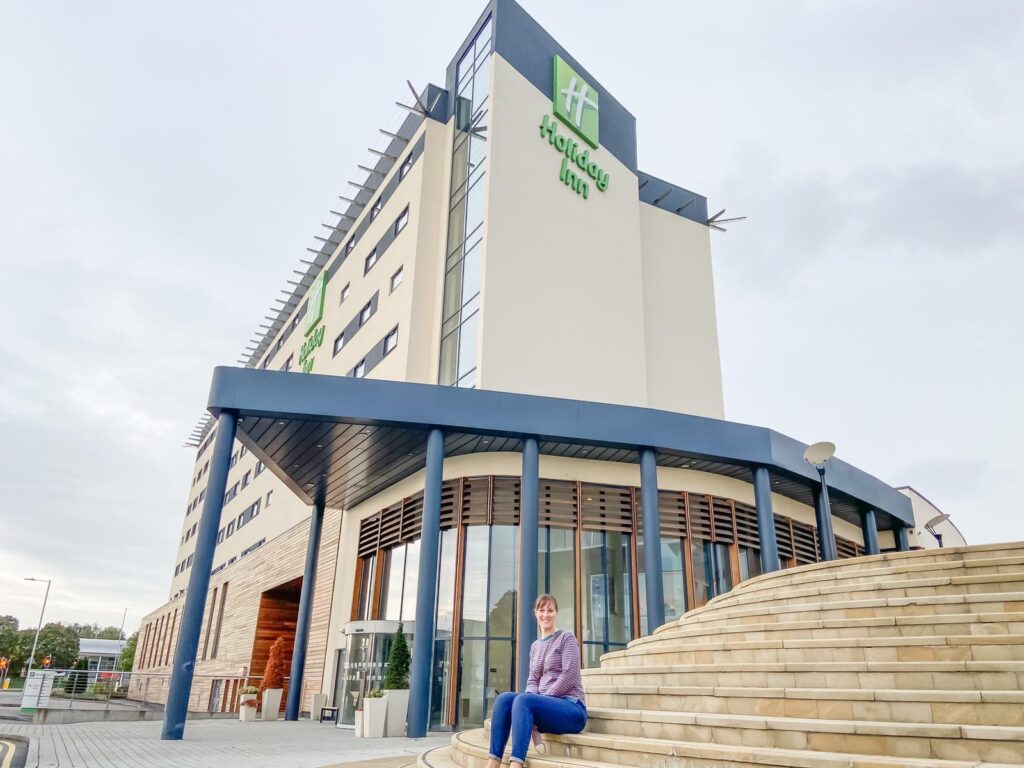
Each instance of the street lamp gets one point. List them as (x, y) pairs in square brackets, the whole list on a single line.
[(930, 527), (35, 642), (817, 455)]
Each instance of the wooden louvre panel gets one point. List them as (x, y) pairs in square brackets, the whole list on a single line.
[(746, 526), (606, 507), (391, 526), (412, 517), (505, 501), (369, 535), (784, 537), (449, 498), (671, 513), (558, 504), (722, 519), (805, 543), (700, 516), (846, 548), (475, 492)]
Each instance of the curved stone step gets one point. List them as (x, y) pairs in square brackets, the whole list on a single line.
[(918, 648), (728, 615), (1004, 708), (883, 626), (587, 750), (908, 675), (940, 741)]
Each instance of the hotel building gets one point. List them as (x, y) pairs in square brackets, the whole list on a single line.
[(509, 322)]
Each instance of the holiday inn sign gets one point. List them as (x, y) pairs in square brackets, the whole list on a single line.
[(577, 105)]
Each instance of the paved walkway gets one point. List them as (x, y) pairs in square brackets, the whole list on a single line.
[(219, 743)]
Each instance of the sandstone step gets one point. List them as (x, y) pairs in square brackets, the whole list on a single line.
[(585, 750), (941, 741), (798, 576), (907, 675), (726, 615), (892, 626), (911, 706), (917, 648), (888, 587)]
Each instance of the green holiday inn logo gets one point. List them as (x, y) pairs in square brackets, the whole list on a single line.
[(576, 105), (315, 305)]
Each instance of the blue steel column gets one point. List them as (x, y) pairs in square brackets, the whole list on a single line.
[(526, 622), (316, 524), (769, 545), (180, 687), (655, 585), (870, 527), (426, 590), (899, 534), (823, 516)]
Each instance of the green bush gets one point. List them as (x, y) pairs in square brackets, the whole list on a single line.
[(396, 675), (376, 693)]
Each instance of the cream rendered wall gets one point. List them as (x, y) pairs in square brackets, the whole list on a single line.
[(562, 294), (684, 371)]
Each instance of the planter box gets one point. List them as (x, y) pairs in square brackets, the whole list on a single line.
[(358, 733), (375, 715), (272, 703), (246, 714), (398, 708)]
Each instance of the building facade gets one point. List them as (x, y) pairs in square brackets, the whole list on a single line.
[(505, 241)]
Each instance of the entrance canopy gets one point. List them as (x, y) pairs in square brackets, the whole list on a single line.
[(340, 440)]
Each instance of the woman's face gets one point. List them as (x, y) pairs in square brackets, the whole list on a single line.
[(546, 614)]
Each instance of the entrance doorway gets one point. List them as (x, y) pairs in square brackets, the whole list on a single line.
[(278, 617)]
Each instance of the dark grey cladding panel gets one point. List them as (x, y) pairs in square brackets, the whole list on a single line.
[(672, 198), (528, 47)]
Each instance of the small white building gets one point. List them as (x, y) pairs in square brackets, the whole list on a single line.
[(102, 654)]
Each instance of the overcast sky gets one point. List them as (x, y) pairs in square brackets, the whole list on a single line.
[(164, 166)]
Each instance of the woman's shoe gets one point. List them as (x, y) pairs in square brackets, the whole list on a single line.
[(538, 742)]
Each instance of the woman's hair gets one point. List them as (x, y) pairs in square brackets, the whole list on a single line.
[(544, 600)]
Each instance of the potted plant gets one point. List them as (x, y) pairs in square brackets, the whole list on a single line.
[(396, 684), (272, 685), (375, 714), (247, 703)]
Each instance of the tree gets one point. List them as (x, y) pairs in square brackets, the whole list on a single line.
[(109, 633), (9, 645), (78, 680), (60, 643), (396, 675), (276, 669), (128, 654)]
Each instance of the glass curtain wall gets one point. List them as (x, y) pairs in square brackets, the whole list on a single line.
[(556, 571), (461, 303), (486, 665), (440, 690), (712, 574), (673, 575), (401, 574), (606, 591), (750, 563)]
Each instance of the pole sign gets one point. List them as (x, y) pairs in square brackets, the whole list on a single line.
[(576, 105), (38, 686)]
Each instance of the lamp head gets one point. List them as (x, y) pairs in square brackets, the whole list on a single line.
[(819, 453), (930, 525)]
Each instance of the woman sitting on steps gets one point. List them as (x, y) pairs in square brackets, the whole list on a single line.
[(553, 701)]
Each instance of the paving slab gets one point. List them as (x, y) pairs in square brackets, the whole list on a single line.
[(221, 743)]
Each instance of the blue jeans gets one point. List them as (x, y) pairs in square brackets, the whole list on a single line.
[(520, 712)]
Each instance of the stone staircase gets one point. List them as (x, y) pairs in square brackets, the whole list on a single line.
[(905, 659)]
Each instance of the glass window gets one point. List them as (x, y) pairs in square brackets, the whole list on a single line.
[(467, 347), (270, 497), (449, 356), (391, 341), (339, 342), (246, 478), (501, 604), (345, 293), (673, 572), (412, 578), (474, 595), (295, 321), (394, 574), (401, 221), (557, 571), (396, 279), (376, 208), (750, 563), (607, 608), (350, 246), (280, 342), (472, 666), (406, 166), (365, 587), (711, 572), (360, 370), (370, 261), (365, 313), (288, 363), (231, 528)]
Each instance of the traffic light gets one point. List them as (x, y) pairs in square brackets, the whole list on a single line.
[(47, 661), (3, 663)]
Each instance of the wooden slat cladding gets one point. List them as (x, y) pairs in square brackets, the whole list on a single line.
[(805, 542), (475, 504), (784, 537), (449, 500), (505, 501), (558, 506), (391, 526), (412, 518), (671, 513), (846, 548), (699, 510), (369, 536), (746, 526), (606, 507), (722, 520)]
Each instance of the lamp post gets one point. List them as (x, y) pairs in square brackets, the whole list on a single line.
[(35, 642), (930, 527), (817, 456)]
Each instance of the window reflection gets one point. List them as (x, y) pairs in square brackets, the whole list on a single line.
[(673, 580), (605, 592)]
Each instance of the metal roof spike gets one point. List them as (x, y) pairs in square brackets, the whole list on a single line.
[(663, 195), (350, 201), (361, 186), (394, 136), (416, 96), (383, 154), (417, 110), (687, 204), (371, 171)]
